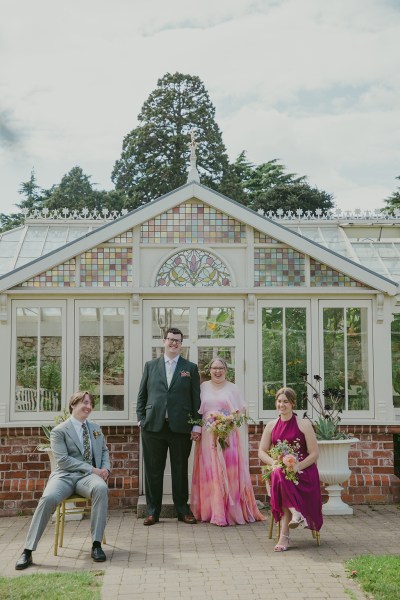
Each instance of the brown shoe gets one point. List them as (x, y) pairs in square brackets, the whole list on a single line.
[(150, 520), (188, 519)]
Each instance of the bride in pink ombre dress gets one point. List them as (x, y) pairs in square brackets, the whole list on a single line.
[(222, 493)]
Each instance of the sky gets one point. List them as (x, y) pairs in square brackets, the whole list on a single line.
[(314, 84)]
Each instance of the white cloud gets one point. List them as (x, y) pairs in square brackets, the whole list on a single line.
[(313, 83)]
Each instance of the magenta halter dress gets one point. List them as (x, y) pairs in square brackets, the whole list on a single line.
[(304, 497)]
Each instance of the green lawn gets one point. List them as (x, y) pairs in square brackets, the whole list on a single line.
[(52, 586), (378, 576)]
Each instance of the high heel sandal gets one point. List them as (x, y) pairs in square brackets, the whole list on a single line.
[(297, 522), (282, 547)]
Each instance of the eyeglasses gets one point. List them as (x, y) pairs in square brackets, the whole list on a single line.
[(217, 368), (173, 341)]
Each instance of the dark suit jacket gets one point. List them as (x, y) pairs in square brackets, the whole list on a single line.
[(181, 399)]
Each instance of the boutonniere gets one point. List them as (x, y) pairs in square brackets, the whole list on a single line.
[(185, 374), (96, 433)]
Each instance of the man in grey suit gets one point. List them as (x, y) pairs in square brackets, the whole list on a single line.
[(169, 396), (83, 467)]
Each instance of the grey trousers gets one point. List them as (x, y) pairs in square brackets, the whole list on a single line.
[(58, 488)]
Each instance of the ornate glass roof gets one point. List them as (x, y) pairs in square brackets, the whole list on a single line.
[(370, 240)]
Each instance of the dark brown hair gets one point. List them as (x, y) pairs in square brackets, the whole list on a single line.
[(175, 331)]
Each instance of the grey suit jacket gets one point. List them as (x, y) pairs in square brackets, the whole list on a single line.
[(181, 399), (68, 452)]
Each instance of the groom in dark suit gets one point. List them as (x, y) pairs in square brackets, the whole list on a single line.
[(169, 396), (83, 467)]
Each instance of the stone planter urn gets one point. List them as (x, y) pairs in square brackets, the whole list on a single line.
[(333, 467)]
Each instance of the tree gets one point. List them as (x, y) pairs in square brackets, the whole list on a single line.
[(257, 180), (294, 196), (155, 155), (393, 202), (75, 192), (33, 199)]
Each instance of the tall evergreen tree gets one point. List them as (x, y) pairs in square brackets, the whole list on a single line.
[(393, 202), (293, 197), (257, 180), (32, 199), (155, 155)]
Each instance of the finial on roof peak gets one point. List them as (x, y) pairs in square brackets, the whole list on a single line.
[(193, 174)]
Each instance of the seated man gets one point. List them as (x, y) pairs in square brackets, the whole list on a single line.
[(83, 467)]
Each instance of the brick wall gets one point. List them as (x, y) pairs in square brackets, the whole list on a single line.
[(371, 461), (24, 471)]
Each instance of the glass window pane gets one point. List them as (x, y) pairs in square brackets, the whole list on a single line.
[(89, 352), (296, 351), (27, 359), (102, 356), (164, 318), (396, 359), (39, 359), (346, 354), (334, 349), (272, 354), (50, 359), (357, 358), (205, 356), (216, 322)]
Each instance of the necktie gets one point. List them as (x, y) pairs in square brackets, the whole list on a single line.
[(170, 371), (87, 454)]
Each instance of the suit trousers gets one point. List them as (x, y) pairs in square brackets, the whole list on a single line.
[(155, 449), (60, 487)]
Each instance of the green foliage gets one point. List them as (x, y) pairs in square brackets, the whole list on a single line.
[(52, 586), (283, 326), (155, 155), (393, 202), (268, 187), (293, 197), (32, 199), (326, 423), (378, 576), (47, 429)]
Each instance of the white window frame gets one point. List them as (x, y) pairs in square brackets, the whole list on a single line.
[(105, 415), (284, 303), (355, 415), (395, 311), (37, 416)]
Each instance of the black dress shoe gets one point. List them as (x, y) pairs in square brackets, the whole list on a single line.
[(188, 519), (24, 561), (98, 554), (150, 520)]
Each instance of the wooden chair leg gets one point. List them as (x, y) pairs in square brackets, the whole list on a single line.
[(271, 527), (57, 530), (62, 523)]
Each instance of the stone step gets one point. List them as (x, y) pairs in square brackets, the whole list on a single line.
[(167, 511)]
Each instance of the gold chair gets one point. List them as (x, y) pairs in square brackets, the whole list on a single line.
[(316, 534), (65, 508)]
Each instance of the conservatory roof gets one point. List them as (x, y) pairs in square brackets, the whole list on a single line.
[(370, 240)]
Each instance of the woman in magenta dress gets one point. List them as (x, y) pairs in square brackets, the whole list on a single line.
[(221, 487), (292, 504)]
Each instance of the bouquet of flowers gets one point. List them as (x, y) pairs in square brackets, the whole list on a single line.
[(222, 423), (286, 456)]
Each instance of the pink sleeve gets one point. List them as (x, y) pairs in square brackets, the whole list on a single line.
[(237, 399)]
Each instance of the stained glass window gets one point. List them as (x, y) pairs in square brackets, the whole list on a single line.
[(193, 268), (278, 267)]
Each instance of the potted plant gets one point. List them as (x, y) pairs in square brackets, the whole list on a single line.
[(333, 444), (46, 429)]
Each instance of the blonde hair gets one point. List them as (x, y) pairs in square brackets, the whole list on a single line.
[(77, 397), (289, 393)]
